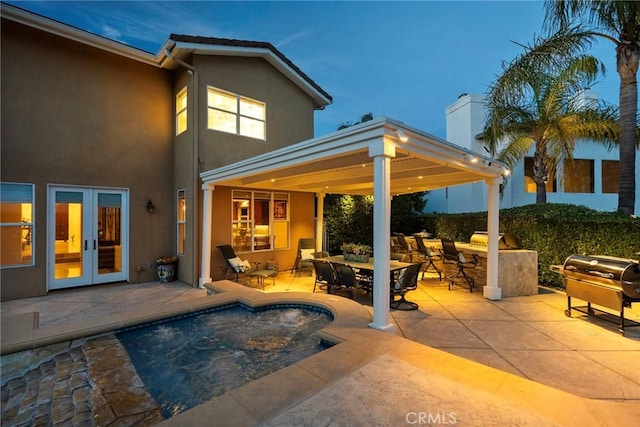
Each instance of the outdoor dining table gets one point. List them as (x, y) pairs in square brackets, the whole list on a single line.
[(339, 259), (394, 265)]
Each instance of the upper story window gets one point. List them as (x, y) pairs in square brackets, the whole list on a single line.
[(16, 224), (181, 111), (529, 181), (578, 176), (609, 176), (231, 113)]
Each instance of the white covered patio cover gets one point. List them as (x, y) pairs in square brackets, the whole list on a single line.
[(383, 158)]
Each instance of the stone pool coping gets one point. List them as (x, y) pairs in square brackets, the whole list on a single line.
[(366, 365), (21, 332)]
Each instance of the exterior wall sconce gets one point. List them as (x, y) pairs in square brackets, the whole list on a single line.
[(150, 206)]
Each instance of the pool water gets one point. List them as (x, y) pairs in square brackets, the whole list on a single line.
[(188, 360)]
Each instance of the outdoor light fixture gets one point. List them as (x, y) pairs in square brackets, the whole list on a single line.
[(401, 135), (150, 206), (470, 158)]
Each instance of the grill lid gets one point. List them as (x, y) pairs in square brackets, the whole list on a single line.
[(623, 273), (600, 265), (505, 240)]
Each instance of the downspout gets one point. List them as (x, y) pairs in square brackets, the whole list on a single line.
[(195, 165)]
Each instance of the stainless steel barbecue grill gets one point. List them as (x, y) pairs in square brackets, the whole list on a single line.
[(609, 282), (505, 240)]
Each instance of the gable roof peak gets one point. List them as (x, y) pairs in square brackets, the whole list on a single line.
[(181, 46)]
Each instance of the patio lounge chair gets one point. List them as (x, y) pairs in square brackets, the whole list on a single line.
[(240, 267), (429, 255), (325, 275), (306, 252), (407, 281), (453, 256)]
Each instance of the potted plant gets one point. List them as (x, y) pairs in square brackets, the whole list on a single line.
[(356, 252), (167, 268)]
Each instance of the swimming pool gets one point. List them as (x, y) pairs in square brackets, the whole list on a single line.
[(188, 360), (198, 356)]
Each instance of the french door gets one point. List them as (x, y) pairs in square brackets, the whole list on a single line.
[(87, 236)]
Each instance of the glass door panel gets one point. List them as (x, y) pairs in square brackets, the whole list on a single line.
[(109, 220), (69, 234)]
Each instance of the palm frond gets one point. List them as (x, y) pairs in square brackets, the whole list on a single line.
[(516, 147)]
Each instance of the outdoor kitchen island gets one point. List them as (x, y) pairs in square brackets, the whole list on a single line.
[(517, 268)]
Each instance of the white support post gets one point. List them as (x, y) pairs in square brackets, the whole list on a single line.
[(319, 221), (382, 152), (491, 290), (205, 272)]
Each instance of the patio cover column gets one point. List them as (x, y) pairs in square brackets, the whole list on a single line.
[(205, 269), (319, 222), (491, 290), (382, 152)]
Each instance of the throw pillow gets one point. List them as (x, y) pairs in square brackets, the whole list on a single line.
[(307, 254), (246, 265), (236, 264)]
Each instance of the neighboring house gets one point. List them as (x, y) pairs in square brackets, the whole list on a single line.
[(103, 144), (592, 181)]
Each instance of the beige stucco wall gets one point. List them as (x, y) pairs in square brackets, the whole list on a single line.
[(75, 115)]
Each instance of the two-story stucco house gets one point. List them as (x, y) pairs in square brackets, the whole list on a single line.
[(103, 144)]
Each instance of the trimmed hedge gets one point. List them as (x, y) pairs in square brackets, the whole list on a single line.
[(554, 230)]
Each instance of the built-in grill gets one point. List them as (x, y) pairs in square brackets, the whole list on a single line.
[(505, 240), (607, 281)]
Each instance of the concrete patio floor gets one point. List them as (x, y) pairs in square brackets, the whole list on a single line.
[(567, 364)]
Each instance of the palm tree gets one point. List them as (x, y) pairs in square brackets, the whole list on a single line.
[(619, 22), (536, 104)]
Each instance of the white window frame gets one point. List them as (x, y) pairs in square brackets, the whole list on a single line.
[(181, 220), (249, 221), (23, 224), (239, 114), (181, 110)]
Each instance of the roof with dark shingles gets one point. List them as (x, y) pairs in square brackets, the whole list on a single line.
[(249, 44)]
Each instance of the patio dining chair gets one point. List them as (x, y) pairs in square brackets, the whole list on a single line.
[(345, 279), (407, 281), (405, 247), (325, 276), (429, 255), (451, 255)]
